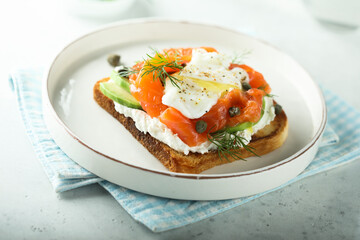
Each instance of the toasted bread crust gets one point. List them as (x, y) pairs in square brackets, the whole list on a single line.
[(264, 141)]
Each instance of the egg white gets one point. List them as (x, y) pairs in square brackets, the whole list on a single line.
[(202, 82)]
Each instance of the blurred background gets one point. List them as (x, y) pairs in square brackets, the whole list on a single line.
[(322, 35)]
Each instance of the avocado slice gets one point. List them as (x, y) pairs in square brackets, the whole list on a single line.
[(119, 95), (121, 81), (240, 127)]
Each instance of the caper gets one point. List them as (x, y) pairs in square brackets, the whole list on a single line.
[(278, 109), (200, 126), (245, 85), (113, 60), (234, 111)]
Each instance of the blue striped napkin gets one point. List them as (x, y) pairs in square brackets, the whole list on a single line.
[(161, 214)]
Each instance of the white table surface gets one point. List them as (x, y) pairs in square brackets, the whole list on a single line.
[(325, 206)]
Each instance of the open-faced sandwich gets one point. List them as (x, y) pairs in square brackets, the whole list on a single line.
[(194, 108)]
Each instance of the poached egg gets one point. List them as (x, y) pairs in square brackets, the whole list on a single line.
[(202, 82)]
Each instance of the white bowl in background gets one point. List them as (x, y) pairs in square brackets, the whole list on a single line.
[(98, 9), (345, 12)]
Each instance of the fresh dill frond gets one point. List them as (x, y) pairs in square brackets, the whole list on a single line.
[(271, 95), (240, 57), (262, 87), (228, 145), (157, 64), (126, 72)]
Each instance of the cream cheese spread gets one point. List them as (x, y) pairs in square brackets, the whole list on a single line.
[(161, 132)]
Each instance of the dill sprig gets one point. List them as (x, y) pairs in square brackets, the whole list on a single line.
[(271, 95), (228, 145), (228, 142), (239, 57), (126, 72), (157, 64)]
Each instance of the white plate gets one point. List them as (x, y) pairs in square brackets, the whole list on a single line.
[(96, 141)]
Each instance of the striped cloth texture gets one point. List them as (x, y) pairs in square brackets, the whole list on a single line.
[(161, 214)]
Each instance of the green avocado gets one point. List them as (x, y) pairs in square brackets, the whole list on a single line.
[(118, 94), (239, 127), (120, 81)]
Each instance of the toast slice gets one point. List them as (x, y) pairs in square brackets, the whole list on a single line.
[(264, 141)]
